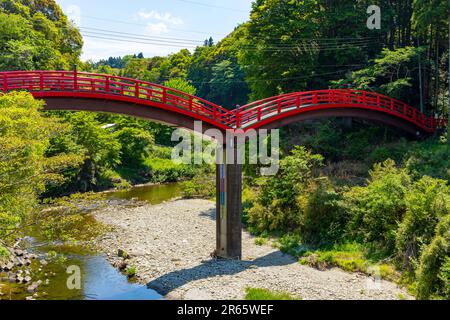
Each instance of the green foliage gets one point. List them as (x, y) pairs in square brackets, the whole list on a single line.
[(433, 269), (351, 257), (37, 35), (376, 210), (444, 277), (4, 253), (165, 170), (282, 33), (180, 85), (324, 220), (427, 202), (258, 294), (390, 74), (68, 219), (101, 148), (131, 272), (24, 168), (203, 185), (136, 145), (277, 207), (429, 158)]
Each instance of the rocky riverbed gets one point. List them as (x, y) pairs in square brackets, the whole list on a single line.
[(170, 247)]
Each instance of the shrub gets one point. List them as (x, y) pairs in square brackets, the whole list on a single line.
[(427, 201), (430, 158), (377, 209), (203, 186), (277, 208), (444, 276), (433, 268), (131, 272), (323, 220), (135, 144), (165, 170)]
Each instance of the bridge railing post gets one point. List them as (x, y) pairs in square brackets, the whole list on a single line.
[(191, 104), (107, 89), (238, 119), (136, 89), (75, 79), (5, 82), (164, 95)]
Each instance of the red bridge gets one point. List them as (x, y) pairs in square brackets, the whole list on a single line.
[(71, 90), (65, 90)]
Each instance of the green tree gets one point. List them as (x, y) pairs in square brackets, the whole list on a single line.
[(180, 85), (100, 146), (37, 35), (377, 209), (277, 207), (136, 145), (25, 170)]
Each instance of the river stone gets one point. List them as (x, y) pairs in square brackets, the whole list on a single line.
[(122, 254), (9, 266), (19, 262), (33, 287), (122, 265), (19, 252)]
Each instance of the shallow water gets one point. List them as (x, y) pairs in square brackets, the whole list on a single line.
[(99, 280), (154, 194)]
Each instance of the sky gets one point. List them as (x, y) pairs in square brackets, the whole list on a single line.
[(153, 27)]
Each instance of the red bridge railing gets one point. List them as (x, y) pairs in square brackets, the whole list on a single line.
[(61, 81), (247, 117), (255, 112)]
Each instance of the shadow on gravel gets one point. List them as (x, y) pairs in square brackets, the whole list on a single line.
[(173, 280)]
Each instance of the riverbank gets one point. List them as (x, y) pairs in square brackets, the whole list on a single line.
[(170, 245)]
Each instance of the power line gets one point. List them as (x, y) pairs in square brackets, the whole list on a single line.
[(134, 34), (211, 5), (135, 41), (309, 41), (269, 39), (146, 25), (180, 44)]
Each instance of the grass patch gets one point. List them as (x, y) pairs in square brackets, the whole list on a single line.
[(351, 258), (264, 294), (165, 170), (131, 272), (260, 241)]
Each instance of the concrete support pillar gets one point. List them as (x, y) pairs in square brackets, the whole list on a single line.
[(229, 209)]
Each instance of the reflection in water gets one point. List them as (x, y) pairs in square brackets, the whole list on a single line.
[(154, 194), (103, 282), (100, 281)]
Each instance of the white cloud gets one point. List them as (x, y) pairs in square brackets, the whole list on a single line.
[(157, 28), (74, 13), (166, 17)]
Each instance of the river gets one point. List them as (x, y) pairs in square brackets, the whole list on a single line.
[(100, 281)]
